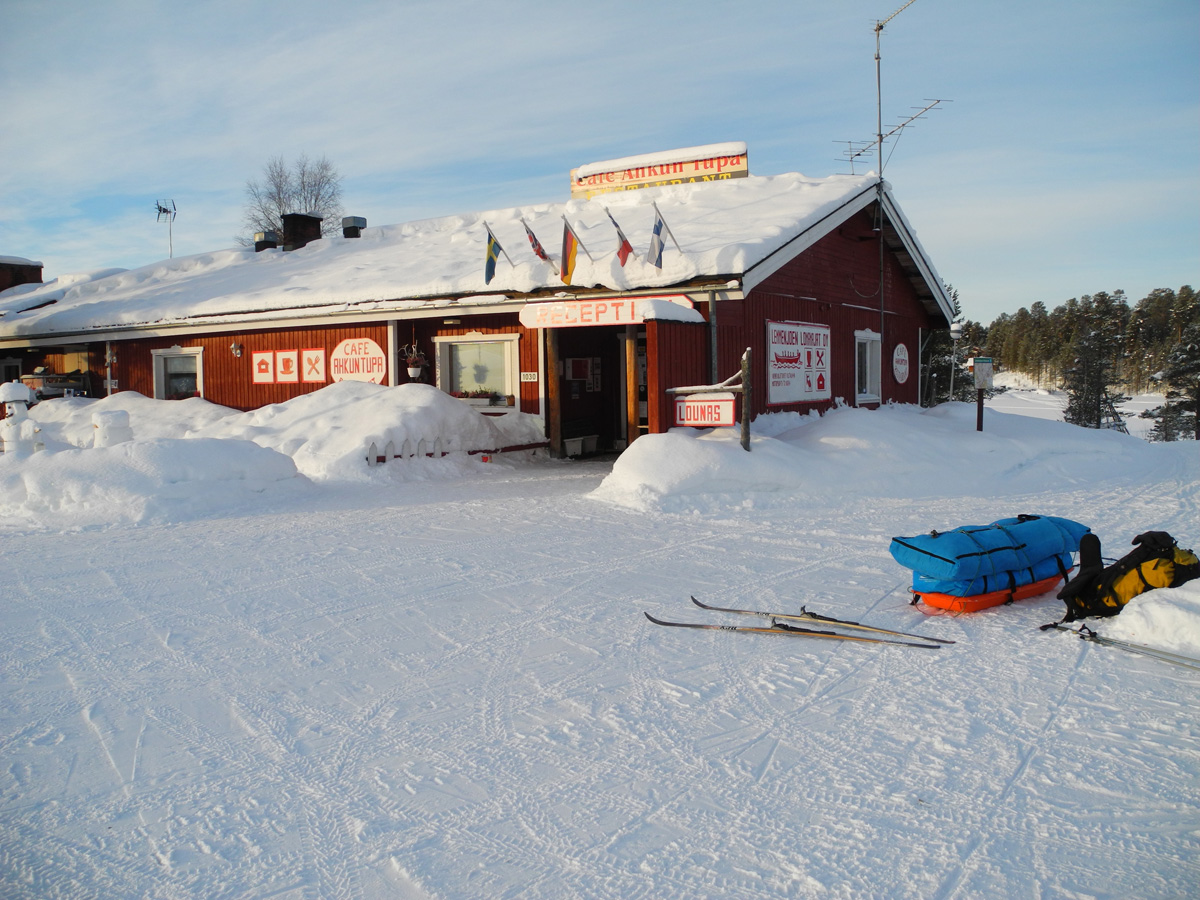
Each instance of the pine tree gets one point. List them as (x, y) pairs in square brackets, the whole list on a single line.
[(1095, 359), (1179, 417), (942, 354)]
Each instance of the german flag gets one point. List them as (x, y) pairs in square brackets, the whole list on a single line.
[(570, 247)]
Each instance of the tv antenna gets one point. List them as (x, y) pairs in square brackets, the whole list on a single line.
[(859, 149), (166, 210)]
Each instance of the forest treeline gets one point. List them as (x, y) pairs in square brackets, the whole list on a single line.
[(1099, 348), (1136, 340)]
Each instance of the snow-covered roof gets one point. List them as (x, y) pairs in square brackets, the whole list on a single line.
[(726, 229)]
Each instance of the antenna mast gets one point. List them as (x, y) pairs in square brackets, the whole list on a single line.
[(166, 210), (879, 88)]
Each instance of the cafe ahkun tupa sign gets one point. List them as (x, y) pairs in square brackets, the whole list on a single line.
[(712, 162)]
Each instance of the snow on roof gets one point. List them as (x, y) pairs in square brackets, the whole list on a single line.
[(18, 261), (725, 228)]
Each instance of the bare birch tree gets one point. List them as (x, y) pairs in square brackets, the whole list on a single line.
[(306, 186)]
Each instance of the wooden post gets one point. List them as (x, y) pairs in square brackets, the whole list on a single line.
[(979, 410), (553, 395), (746, 400), (631, 386)]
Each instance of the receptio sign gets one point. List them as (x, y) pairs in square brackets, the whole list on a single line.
[(358, 359), (797, 363), (705, 410), (582, 313)]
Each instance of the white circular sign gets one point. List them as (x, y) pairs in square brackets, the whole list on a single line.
[(358, 359), (900, 363)]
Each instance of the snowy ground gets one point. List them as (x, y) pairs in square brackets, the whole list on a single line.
[(271, 673)]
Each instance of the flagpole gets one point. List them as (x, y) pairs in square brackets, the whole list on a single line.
[(658, 211), (548, 259), (577, 240), (501, 246), (621, 233)]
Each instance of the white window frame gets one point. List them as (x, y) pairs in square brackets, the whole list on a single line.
[(872, 343), (160, 368), (512, 359)]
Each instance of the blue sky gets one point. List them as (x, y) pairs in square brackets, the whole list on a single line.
[(1068, 161)]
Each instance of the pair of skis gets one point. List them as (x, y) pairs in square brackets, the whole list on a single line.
[(1175, 659), (781, 627)]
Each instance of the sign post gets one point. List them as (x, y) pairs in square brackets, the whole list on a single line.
[(705, 406), (983, 382)]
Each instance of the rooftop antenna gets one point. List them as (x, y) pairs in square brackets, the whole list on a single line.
[(859, 149), (166, 210), (879, 85)]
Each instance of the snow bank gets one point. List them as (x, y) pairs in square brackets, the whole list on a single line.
[(140, 482), (191, 459), (1168, 618), (894, 452), (328, 432)]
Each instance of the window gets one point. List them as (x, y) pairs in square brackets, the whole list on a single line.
[(477, 362), (178, 373), (867, 347)]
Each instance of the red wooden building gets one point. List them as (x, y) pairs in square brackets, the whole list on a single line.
[(823, 279)]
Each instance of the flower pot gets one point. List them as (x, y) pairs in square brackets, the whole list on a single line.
[(414, 371)]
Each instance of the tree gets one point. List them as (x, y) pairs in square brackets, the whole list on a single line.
[(307, 186), (942, 355), (1179, 417)]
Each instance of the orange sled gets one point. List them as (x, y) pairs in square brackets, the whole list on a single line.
[(976, 602)]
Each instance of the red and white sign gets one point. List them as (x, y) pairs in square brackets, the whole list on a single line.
[(287, 366), (900, 363), (712, 162), (706, 410), (582, 313), (358, 359), (312, 364), (262, 367), (797, 363)]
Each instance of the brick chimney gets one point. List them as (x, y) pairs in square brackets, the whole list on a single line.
[(352, 226), (299, 229), (16, 270)]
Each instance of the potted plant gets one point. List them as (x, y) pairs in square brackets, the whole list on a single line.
[(415, 360)]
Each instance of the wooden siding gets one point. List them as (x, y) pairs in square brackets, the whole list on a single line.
[(227, 378), (836, 283), (423, 331), (676, 355)]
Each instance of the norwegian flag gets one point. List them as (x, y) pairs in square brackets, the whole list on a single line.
[(626, 248)]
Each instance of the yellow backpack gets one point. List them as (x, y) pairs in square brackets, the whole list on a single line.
[(1157, 562)]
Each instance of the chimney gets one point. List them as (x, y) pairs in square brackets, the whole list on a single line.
[(265, 240), (299, 229), (352, 226), (16, 270)]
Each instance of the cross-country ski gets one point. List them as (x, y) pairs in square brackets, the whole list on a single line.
[(1167, 656), (805, 616), (779, 628)]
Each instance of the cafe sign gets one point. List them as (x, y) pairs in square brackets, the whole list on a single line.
[(712, 162)]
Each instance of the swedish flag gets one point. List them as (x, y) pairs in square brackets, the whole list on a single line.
[(493, 253)]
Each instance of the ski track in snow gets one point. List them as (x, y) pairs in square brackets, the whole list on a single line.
[(449, 690)]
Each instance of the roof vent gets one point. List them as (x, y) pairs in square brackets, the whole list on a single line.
[(265, 240), (352, 226)]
